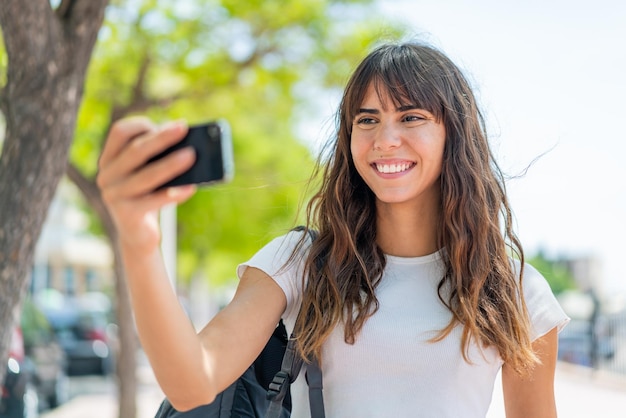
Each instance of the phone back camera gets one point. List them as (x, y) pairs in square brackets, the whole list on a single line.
[(214, 132)]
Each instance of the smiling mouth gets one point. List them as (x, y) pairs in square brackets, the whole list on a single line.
[(393, 168)]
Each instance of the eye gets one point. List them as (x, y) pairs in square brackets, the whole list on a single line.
[(413, 118), (365, 120)]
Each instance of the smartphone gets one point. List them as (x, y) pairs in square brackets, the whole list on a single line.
[(214, 155)]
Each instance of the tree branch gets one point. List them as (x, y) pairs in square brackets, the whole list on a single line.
[(138, 101), (83, 20), (3, 100), (34, 28), (141, 79), (91, 193), (86, 186), (64, 9), (120, 112)]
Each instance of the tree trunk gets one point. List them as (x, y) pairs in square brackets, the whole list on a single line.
[(126, 360), (48, 54)]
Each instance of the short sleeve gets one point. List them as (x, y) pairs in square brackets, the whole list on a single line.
[(543, 308), (273, 260)]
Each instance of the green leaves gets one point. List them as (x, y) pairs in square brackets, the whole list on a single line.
[(556, 272), (256, 63)]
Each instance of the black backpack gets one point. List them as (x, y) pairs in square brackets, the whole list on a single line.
[(263, 390)]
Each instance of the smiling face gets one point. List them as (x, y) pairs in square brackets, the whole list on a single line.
[(397, 149)]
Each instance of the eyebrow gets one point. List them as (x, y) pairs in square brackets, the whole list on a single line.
[(374, 111), (399, 109), (408, 107)]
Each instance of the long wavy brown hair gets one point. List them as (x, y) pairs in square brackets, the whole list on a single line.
[(345, 265)]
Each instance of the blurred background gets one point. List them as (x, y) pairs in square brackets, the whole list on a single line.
[(549, 76)]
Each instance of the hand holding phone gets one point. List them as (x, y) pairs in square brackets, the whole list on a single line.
[(214, 155)]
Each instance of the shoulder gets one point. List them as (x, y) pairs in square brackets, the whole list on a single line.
[(533, 281), (544, 310), (283, 260)]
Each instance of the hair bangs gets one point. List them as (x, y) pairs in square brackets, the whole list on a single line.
[(399, 73)]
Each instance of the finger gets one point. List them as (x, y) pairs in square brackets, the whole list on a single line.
[(161, 171), (139, 150), (146, 180), (164, 197), (123, 131), (179, 194)]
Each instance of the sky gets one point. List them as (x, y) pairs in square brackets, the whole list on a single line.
[(551, 79)]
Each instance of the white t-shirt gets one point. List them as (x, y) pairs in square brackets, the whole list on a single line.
[(393, 370)]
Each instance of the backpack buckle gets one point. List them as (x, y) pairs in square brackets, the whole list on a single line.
[(278, 387)]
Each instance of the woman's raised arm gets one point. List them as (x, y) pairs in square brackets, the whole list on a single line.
[(191, 368)]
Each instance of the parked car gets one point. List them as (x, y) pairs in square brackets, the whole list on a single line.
[(47, 356), (19, 397), (36, 369), (576, 344), (84, 333)]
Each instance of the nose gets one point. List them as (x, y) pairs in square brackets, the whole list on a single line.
[(387, 137)]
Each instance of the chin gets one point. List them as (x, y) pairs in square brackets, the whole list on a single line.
[(392, 199)]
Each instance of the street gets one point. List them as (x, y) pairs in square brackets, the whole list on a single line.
[(580, 393), (96, 396)]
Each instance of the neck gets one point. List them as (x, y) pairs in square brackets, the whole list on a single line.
[(405, 230)]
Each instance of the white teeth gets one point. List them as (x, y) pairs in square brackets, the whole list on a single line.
[(392, 168)]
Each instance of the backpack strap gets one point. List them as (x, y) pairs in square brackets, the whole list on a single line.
[(316, 396), (314, 372), (289, 371)]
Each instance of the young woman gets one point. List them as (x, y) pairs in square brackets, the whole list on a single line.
[(413, 301)]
